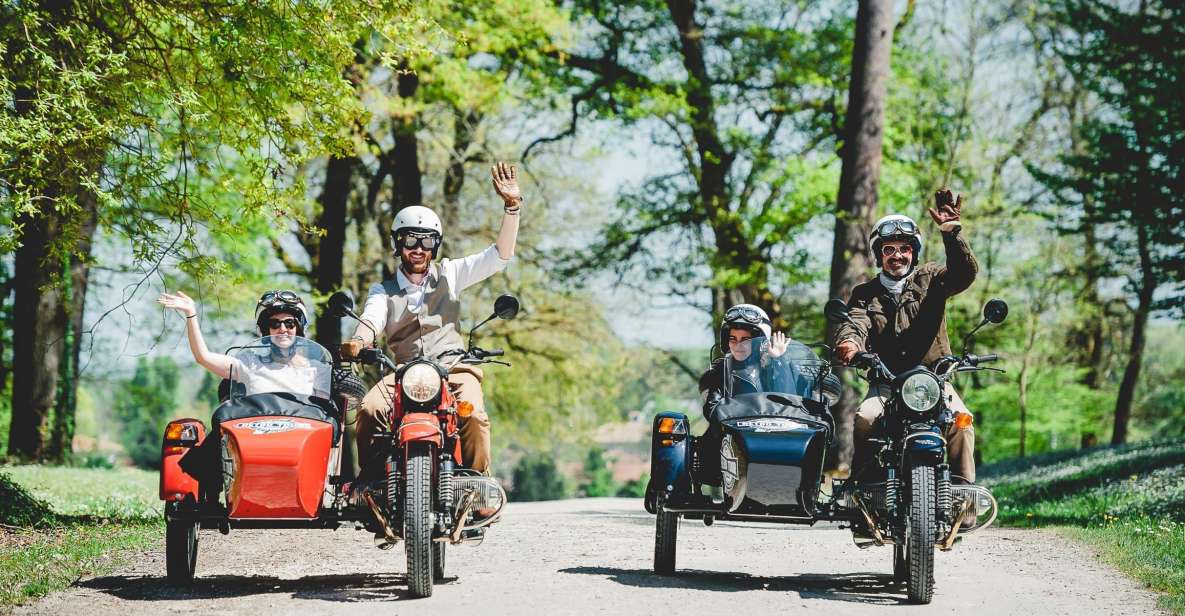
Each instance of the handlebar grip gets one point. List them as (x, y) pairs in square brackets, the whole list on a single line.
[(494, 352), (986, 358)]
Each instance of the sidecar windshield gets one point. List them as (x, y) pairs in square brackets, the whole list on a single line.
[(281, 364), (795, 371)]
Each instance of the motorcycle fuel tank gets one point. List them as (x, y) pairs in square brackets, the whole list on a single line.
[(772, 461), (277, 466)]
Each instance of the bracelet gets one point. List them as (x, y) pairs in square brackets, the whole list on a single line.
[(512, 211), (192, 316)]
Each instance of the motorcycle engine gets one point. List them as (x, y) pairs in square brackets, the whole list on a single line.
[(732, 471)]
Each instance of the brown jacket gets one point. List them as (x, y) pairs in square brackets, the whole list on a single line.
[(913, 332)]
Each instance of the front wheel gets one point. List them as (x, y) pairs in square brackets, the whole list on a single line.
[(438, 551), (919, 548), (666, 534), (181, 548), (417, 519)]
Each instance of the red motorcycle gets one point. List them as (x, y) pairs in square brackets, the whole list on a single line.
[(273, 456)]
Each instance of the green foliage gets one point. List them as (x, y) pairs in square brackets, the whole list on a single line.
[(1150, 550), (536, 478), (144, 405), (634, 488), (122, 494), (598, 477), (19, 508), (1094, 486)]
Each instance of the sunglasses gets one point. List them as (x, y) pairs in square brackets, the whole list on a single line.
[(288, 323), (411, 240), (889, 251), (897, 227)]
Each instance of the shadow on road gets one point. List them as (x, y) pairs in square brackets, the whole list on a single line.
[(873, 588), (348, 588)]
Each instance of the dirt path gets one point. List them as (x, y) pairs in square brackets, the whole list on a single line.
[(594, 556)]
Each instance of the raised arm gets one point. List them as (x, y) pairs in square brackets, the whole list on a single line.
[(505, 179), (217, 363), (961, 266)]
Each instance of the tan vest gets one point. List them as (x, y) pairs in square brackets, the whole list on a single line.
[(437, 328)]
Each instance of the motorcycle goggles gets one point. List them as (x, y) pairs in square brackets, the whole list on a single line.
[(746, 314), (896, 227), (272, 298), (409, 240)]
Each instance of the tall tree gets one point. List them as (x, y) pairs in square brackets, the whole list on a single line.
[(859, 177), (162, 122), (1127, 183), (741, 105)]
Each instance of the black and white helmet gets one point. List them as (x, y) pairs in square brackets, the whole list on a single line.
[(274, 302), (745, 316), (895, 227)]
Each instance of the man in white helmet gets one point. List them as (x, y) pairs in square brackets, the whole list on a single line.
[(901, 316), (418, 312)]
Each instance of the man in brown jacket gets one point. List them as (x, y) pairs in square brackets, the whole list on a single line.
[(901, 316)]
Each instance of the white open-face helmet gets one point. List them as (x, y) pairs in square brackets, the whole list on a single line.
[(417, 219), (747, 317), (895, 227), (274, 302)]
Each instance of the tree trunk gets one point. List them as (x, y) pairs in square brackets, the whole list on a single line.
[(406, 175), (1135, 355), (454, 176), (329, 253), (61, 443), (860, 174), (39, 326)]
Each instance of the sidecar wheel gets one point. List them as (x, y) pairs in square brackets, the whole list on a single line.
[(900, 564), (181, 549), (438, 551), (417, 520), (666, 534), (920, 536)]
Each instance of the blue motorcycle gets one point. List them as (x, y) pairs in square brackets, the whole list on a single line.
[(769, 437)]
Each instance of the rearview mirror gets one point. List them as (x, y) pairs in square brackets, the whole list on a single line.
[(836, 311), (506, 307), (340, 304), (995, 311)]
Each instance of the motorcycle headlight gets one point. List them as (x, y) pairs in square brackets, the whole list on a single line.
[(921, 392), (420, 382)]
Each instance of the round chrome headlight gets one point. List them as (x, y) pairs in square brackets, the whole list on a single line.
[(921, 392), (420, 382)]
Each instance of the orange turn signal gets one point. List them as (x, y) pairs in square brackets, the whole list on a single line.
[(464, 408), (666, 442), (173, 431), (666, 425), (963, 420)]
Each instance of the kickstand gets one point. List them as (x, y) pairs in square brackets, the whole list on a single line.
[(462, 515), (389, 534), (956, 524)]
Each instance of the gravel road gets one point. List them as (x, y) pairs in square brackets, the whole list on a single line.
[(594, 556)]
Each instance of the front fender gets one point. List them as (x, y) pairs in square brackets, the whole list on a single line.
[(670, 455), (423, 427), (925, 446)]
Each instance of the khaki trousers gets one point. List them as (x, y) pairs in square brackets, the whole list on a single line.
[(475, 429), (960, 443)]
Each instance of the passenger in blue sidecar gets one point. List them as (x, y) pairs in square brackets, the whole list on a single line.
[(741, 324)]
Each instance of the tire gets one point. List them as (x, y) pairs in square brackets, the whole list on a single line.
[(919, 547), (666, 535), (181, 549), (438, 552), (900, 565), (417, 520)]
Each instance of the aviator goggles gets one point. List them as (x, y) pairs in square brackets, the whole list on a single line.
[(279, 297), (410, 241), (897, 227), (746, 314)]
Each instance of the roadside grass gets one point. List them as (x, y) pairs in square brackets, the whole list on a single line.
[(1127, 502), (61, 524)]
